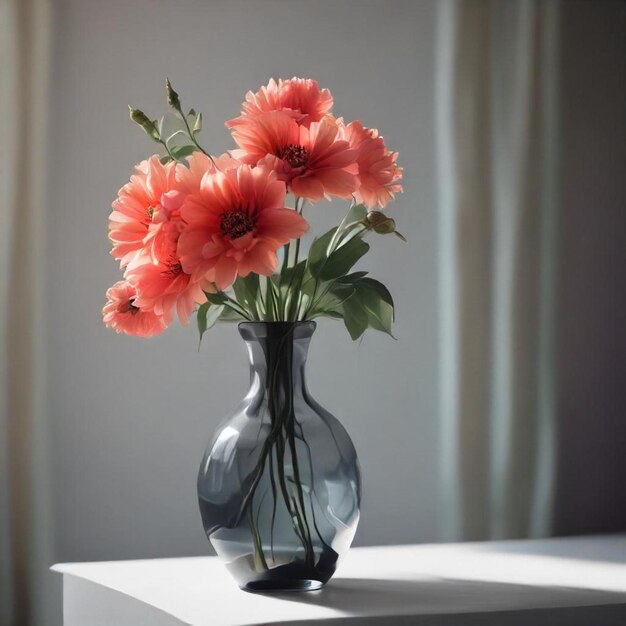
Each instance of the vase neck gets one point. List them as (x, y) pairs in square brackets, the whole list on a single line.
[(277, 352)]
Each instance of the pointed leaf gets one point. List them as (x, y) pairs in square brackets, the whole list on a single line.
[(208, 314), (182, 152), (357, 213), (218, 297), (318, 253), (247, 292), (375, 300), (343, 258), (354, 317), (294, 288), (197, 125), (228, 315)]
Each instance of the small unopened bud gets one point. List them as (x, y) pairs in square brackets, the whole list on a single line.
[(172, 97), (380, 223), (149, 127)]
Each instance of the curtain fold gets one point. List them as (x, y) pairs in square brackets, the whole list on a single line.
[(496, 103), (25, 511)]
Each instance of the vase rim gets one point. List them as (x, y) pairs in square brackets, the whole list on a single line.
[(259, 323)]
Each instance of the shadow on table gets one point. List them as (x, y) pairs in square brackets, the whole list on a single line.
[(448, 602)]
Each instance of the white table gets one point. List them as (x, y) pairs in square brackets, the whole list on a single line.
[(569, 582)]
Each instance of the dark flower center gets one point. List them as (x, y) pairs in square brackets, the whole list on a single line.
[(147, 219), (129, 307), (296, 156), (235, 224), (173, 269)]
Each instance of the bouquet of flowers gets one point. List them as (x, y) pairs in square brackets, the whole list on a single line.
[(194, 231)]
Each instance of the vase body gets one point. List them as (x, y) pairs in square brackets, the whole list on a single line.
[(279, 486)]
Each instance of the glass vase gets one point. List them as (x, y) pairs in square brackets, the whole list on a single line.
[(279, 487)]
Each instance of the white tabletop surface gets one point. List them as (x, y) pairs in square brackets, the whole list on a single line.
[(510, 583)]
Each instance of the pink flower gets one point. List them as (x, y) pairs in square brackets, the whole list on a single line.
[(235, 224), (314, 161), (146, 212), (165, 287), (122, 313), (379, 175), (301, 98)]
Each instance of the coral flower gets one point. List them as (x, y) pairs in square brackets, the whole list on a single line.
[(235, 224), (122, 313), (146, 211), (314, 162), (301, 98), (379, 175), (165, 287), (198, 164)]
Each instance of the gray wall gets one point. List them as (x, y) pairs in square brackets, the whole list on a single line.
[(131, 418)]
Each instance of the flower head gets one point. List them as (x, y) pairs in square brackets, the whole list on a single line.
[(314, 161), (379, 175), (235, 223), (301, 98), (165, 288), (122, 313), (146, 211)]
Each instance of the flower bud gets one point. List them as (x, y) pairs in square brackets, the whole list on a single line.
[(172, 97), (380, 223), (149, 127)]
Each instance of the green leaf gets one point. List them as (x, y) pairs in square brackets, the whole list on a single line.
[(357, 213), (197, 124), (377, 286), (372, 300), (208, 314), (343, 258), (182, 152), (216, 298), (348, 279), (355, 317), (228, 315), (293, 287), (318, 253), (337, 315), (176, 133), (247, 292), (271, 300), (332, 301)]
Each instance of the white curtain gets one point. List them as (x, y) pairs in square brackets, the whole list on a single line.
[(25, 513), (496, 103)]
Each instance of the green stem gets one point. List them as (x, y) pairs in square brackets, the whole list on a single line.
[(168, 151), (192, 137), (274, 493), (259, 557)]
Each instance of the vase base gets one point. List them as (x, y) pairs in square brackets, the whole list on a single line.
[(260, 586), (294, 576)]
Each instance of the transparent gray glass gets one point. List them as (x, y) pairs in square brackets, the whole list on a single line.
[(279, 486)]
